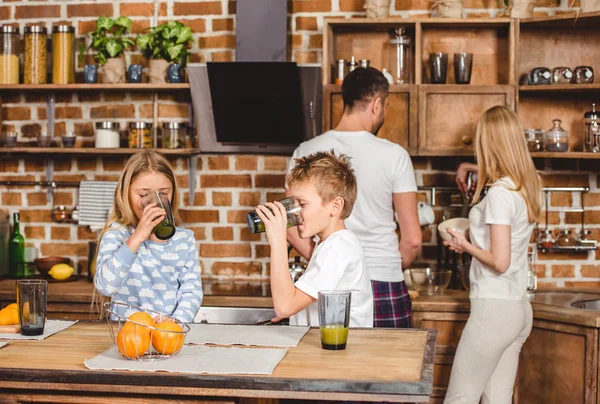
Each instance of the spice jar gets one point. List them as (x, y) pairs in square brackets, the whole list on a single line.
[(140, 135), (556, 139), (63, 54), (34, 68), (9, 55), (535, 139), (173, 135), (583, 75), (585, 238), (107, 135), (591, 133), (565, 239), (545, 239), (400, 56), (562, 75)]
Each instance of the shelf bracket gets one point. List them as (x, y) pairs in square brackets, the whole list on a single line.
[(50, 108), (192, 163), (50, 180)]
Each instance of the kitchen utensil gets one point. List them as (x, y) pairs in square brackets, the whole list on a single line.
[(459, 224), (166, 228), (463, 63), (292, 210), (352, 65), (334, 318), (535, 139), (341, 66), (426, 214), (562, 75), (583, 75), (69, 138), (400, 56), (429, 282), (556, 138), (591, 134), (540, 75), (438, 65), (44, 139), (43, 265), (32, 300), (364, 63)]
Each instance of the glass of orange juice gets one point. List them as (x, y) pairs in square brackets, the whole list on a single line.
[(334, 318)]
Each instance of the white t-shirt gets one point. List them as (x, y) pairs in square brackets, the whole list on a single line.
[(382, 168), (338, 263), (501, 205)]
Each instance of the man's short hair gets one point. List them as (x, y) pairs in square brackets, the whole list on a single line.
[(331, 175), (363, 85)]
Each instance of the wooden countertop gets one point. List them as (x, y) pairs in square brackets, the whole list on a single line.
[(547, 304), (377, 365)]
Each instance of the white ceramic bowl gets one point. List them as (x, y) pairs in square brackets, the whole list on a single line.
[(460, 224)]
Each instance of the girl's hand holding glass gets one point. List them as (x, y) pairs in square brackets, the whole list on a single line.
[(274, 217), (457, 243), (151, 216)]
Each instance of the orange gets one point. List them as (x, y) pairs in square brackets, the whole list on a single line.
[(9, 316), (167, 342), (141, 318), (132, 344)]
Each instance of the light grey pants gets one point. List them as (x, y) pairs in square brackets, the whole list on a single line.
[(487, 357)]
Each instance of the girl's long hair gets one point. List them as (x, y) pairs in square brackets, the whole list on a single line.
[(501, 151), (141, 163)]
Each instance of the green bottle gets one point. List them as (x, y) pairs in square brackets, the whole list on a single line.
[(16, 251)]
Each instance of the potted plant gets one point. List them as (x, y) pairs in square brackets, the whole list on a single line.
[(164, 44), (109, 43)]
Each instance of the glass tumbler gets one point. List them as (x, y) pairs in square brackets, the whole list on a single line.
[(463, 63), (32, 300), (438, 64), (334, 318), (166, 228), (292, 210)]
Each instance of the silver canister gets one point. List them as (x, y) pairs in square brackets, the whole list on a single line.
[(352, 65), (365, 63), (341, 66)]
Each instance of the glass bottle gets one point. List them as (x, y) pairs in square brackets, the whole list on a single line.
[(16, 250), (591, 133), (9, 55), (545, 239), (565, 239), (400, 57), (34, 67), (63, 54), (556, 139)]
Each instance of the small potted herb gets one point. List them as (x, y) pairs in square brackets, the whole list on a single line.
[(109, 43), (167, 43)]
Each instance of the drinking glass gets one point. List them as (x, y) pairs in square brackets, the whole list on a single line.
[(334, 318), (32, 299), (166, 228), (438, 64), (292, 210), (463, 63)]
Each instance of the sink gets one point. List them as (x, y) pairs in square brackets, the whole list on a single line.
[(587, 304), (233, 315)]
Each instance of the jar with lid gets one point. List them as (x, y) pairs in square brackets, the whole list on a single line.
[(562, 75), (556, 138), (535, 139), (63, 54), (340, 71), (585, 238), (140, 135), (540, 75), (34, 67), (174, 134), (591, 132), (107, 134), (565, 239), (9, 55), (583, 75), (400, 56), (545, 239)]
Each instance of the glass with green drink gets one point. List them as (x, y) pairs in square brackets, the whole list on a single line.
[(292, 210), (334, 318), (166, 228)]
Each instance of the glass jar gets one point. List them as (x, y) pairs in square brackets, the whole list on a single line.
[(583, 75), (174, 135), (562, 75), (140, 135), (63, 54), (540, 75), (585, 238), (400, 57), (9, 55), (545, 239), (535, 139), (556, 139), (565, 239), (591, 132), (107, 135), (34, 67)]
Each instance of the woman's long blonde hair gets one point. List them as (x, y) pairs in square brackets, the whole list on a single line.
[(141, 163), (501, 151)]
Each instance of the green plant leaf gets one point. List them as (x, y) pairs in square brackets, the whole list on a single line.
[(104, 23), (143, 41), (174, 52), (114, 47), (124, 22), (185, 34)]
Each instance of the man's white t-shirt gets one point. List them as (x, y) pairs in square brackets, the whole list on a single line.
[(338, 263), (382, 168), (501, 205)]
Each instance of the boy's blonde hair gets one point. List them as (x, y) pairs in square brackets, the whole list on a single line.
[(501, 151), (331, 175)]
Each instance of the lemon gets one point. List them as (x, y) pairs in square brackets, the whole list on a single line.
[(60, 272)]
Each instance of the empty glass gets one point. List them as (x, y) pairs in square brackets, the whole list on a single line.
[(10, 139), (32, 300), (166, 228), (334, 318), (438, 63), (463, 62), (292, 210), (44, 139)]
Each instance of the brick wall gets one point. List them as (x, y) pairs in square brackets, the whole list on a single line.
[(231, 185)]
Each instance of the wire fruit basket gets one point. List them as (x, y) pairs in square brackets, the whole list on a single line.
[(144, 335)]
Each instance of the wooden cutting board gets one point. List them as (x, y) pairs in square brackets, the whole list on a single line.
[(10, 329)]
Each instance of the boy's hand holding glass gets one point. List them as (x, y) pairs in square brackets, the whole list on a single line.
[(274, 217)]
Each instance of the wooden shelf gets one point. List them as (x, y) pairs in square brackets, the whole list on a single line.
[(573, 248), (394, 88), (93, 151), (566, 155), (96, 87), (570, 88)]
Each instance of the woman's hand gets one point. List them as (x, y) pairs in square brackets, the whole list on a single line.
[(151, 216), (458, 242), (461, 175), (275, 219)]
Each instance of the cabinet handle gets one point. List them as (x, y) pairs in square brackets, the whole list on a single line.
[(466, 139)]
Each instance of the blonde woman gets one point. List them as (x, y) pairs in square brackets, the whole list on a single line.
[(501, 223), (133, 266)]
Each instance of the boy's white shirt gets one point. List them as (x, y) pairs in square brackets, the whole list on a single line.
[(338, 263)]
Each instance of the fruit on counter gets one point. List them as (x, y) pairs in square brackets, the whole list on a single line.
[(141, 318), (26, 311), (60, 272), (132, 344), (170, 340), (9, 315)]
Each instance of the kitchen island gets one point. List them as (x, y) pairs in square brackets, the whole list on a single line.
[(377, 365)]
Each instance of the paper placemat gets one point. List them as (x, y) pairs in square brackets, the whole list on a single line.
[(51, 327), (257, 335), (4, 343), (197, 359)]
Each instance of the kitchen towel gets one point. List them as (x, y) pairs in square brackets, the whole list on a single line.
[(4, 343), (96, 200), (51, 327), (197, 359), (258, 335)]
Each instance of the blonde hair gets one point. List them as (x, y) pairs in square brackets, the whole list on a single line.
[(144, 162), (501, 151), (331, 175)]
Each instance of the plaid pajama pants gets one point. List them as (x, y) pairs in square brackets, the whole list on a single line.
[(392, 307)]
